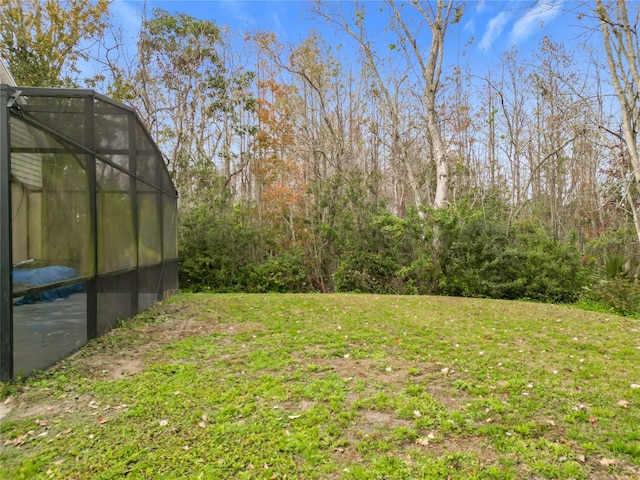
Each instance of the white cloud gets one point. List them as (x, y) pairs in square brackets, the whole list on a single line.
[(470, 26), (542, 12), (494, 30), (128, 17), (276, 25), (240, 11)]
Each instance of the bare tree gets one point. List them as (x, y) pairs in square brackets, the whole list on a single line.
[(622, 47), (438, 19), (384, 93), (438, 15)]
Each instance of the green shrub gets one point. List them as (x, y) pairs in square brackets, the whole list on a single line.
[(485, 257), (418, 278), (218, 247), (621, 294), (614, 266), (366, 272), (390, 255), (286, 273)]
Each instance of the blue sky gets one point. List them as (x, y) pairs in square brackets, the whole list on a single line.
[(502, 24), (487, 29)]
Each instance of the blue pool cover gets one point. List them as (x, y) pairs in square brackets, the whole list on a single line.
[(43, 276)]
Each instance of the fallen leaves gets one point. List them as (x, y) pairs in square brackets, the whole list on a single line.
[(19, 440), (204, 421), (33, 435), (408, 387), (424, 441)]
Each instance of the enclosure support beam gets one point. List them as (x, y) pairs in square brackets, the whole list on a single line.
[(160, 292), (92, 285), (6, 257), (133, 192)]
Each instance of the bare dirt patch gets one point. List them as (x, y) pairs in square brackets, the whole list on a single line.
[(371, 420), (5, 408), (392, 371), (178, 327), (450, 444), (109, 358), (113, 367), (445, 394), (116, 363), (47, 414)]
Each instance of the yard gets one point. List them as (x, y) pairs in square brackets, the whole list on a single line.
[(336, 386)]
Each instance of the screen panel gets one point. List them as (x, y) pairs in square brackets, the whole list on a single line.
[(149, 229), (117, 246)]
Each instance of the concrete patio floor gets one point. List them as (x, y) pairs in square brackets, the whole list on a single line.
[(45, 332)]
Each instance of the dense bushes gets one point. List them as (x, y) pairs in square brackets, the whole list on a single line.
[(219, 246), (283, 274), (223, 250), (616, 262), (359, 247), (617, 286), (622, 295), (489, 258), (391, 255)]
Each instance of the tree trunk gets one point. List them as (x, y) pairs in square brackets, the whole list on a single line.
[(622, 49), (438, 21)]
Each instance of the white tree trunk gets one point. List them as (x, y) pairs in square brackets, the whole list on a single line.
[(438, 21), (623, 49)]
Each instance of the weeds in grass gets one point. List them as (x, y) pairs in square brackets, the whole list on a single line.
[(337, 386)]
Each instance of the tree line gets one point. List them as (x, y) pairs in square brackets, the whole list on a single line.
[(306, 167)]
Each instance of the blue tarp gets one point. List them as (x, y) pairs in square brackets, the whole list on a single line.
[(43, 276)]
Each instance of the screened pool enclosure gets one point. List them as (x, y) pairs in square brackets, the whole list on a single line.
[(87, 223)]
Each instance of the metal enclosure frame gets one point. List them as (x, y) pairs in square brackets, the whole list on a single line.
[(95, 199)]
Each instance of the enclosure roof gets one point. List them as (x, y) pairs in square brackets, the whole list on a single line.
[(98, 125)]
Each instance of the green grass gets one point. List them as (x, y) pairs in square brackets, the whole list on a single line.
[(336, 386)]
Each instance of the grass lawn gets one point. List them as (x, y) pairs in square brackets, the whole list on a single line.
[(336, 386)]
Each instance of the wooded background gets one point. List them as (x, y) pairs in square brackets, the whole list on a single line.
[(306, 167)]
